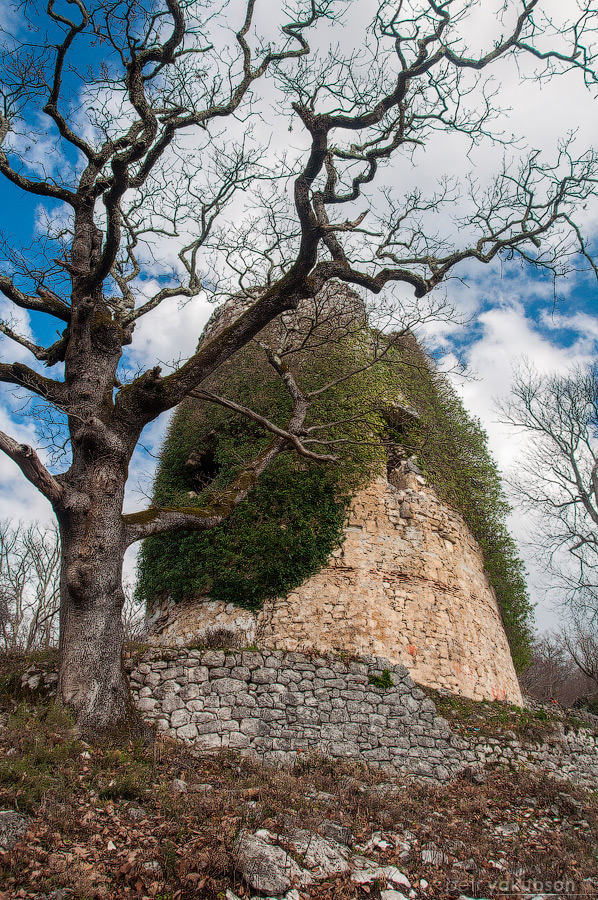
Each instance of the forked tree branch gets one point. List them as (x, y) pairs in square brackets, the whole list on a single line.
[(45, 303), (54, 392)]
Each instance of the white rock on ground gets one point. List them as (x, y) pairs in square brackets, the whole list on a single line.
[(367, 870), (433, 856), (322, 856), (12, 828), (338, 833), (265, 867), (178, 786)]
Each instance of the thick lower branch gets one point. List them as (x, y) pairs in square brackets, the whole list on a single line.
[(156, 520), (151, 394), (32, 467), (23, 376), (45, 303)]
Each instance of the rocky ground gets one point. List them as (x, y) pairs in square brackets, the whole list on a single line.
[(83, 823)]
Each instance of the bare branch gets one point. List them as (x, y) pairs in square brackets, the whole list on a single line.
[(32, 468), (292, 439), (46, 302)]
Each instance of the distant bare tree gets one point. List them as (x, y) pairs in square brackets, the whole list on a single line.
[(564, 667), (133, 614), (29, 586), (557, 477), (551, 669), (581, 643)]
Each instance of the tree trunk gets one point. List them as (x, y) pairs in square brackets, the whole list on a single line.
[(92, 680)]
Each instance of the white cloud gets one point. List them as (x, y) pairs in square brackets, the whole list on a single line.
[(169, 333), (19, 500), (508, 334)]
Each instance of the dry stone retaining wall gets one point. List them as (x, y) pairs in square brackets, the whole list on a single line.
[(278, 704), (408, 584)]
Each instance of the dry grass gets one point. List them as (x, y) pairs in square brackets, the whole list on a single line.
[(83, 837)]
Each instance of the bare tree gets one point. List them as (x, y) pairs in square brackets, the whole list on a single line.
[(564, 667), (29, 586), (557, 477), (149, 106), (133, 614), (581, 644), (552, 673)]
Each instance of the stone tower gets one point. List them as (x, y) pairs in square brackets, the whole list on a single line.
[(407, 583)]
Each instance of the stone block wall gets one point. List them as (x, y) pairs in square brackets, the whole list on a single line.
[(278, 704), (408, 584)]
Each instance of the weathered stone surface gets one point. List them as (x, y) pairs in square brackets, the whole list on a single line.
[(429, 603), (266, 868), (208, 742), (187, 732), (336, 832), (13, 827), (146, 704), (180, 717), (320, 855), (136, 813)]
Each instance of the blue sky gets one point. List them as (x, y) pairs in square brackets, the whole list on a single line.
[(511, 310)]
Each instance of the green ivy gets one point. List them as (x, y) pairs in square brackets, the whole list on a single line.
[(384, 681), (283, 534)]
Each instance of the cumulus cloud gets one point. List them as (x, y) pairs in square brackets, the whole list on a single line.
[(507, 333)]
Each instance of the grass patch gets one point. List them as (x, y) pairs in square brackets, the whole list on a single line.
[(383, 681), (491, 718)]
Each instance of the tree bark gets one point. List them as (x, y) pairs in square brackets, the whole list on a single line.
[(92, 680)]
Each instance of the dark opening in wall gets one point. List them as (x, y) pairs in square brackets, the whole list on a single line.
[(399, 418), (202, 466), (395, 454)]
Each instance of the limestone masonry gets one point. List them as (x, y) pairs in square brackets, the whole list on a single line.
[(408, 584), (278, 704)]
